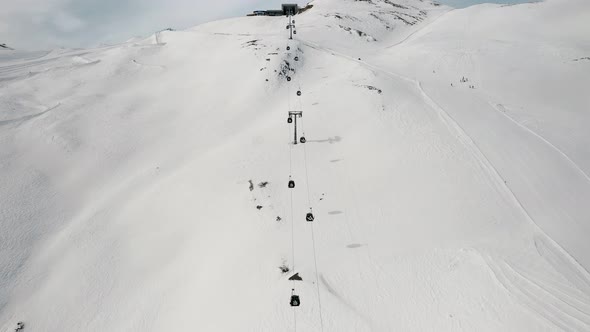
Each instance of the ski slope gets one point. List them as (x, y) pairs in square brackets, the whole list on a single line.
[(143, 186)]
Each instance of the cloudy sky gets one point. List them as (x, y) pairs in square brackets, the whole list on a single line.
[(45, 24)]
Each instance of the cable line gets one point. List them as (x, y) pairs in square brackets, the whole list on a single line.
[(295, 318), (317, 282), (298, 105), (312, 230), (306, 171), (292, 226), (313, 239)]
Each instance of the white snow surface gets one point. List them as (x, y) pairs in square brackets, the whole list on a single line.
[(124, 174)]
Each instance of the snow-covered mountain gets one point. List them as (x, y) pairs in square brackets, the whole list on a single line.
[(143, 186)]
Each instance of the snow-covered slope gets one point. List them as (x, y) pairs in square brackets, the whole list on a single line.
[(143, 186)]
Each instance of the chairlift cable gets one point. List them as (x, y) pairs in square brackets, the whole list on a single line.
[(315, 260), (292, 235), (306, 171), (299, 105), (299, 99), (292, 228), (291, 193), (289, 96), (317, 282), (312, 232), (290, 153), (295, 318)]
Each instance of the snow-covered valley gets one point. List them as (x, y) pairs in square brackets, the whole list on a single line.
[(143, 186)]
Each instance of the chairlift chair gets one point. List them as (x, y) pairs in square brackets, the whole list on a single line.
[(302, 139), (296, 58), (309, 217), (288, 48), (288, 79), (291, 184), (287, 27), (294, 32), (295, 301), (289, 120), (299, 93)]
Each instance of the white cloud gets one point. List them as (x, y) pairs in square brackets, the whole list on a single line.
[(67, 23), (44, 24)]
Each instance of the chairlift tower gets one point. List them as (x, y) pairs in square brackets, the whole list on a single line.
[(291, 25), (294, 115)]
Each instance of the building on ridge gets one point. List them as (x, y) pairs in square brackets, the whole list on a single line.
[(286, 10)]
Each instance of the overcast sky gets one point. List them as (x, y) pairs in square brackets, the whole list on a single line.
[(45, 24)]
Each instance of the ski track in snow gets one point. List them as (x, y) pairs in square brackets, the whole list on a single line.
[(28, 117), (566, 312), (534, 300), (501, 109)]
